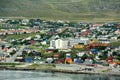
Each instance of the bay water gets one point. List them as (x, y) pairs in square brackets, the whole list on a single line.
[(36, 75)]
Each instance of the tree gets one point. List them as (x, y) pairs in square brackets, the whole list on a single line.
[(62, 55), (84, 57)]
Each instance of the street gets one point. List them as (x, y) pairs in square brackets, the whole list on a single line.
[(12, 58)]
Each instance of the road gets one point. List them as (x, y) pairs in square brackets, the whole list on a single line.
[(12, 58)]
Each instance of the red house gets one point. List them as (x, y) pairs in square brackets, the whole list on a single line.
[(110, 59)]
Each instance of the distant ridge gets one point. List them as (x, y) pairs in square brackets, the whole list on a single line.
[(74, 10)]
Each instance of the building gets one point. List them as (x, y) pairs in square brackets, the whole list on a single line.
[(2, 57), (78, 46), (81, 40), (25, 21), (59, 44), (52, 44)]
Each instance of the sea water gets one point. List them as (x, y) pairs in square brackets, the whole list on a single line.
[(34, 75)]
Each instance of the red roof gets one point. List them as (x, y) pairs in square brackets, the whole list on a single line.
[(84, 33), (109, 58), (56, 55)]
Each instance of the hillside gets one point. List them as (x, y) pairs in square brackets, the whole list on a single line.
[(75, 10)]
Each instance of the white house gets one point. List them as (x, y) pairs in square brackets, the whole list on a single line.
[(80, 54), (25, 21)]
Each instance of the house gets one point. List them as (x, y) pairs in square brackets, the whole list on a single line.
[(1, 20), (78, 46), (50, 50), (2, 57), (80, 54), (56, 56), (117, 32), (28, 59), (25, 21), (68, 61), (88, 61), (114, 38), (43, 42), (78, 60), (97, 25), (94, 51), (85, 32), (110, 59), (49, 60)]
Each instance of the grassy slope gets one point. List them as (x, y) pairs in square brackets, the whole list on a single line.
[(75, 10)]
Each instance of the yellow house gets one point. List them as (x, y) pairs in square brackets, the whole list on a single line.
[(78, 46)]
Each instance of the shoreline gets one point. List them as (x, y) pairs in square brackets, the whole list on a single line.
[(50, 68), (62, 71)]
